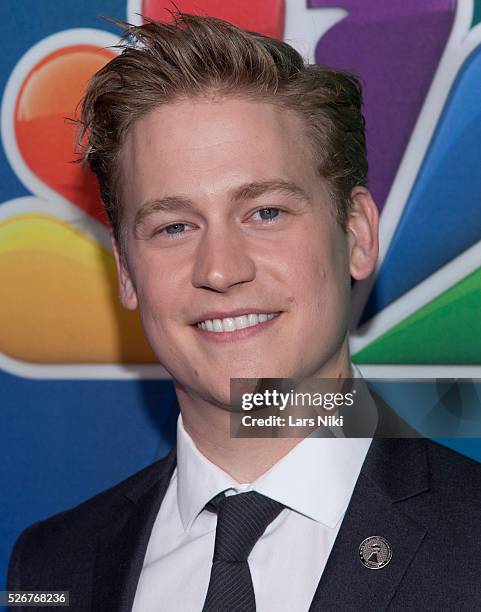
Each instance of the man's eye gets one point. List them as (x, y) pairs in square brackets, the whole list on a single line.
[(268, 214), (173, 230)]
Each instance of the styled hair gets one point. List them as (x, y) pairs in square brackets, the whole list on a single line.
[(197, 56)]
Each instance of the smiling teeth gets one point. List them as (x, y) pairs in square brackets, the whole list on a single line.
[(230, 324)]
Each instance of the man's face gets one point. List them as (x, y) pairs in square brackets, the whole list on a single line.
[(226, 217)]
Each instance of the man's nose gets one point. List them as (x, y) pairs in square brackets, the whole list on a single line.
[(222, 261)]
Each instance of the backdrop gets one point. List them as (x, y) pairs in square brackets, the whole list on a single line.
[(83, 404)]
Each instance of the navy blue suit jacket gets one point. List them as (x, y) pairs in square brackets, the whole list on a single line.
[(423, 498)]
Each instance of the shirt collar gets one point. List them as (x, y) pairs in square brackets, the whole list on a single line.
[(316, 478), (198, 479)]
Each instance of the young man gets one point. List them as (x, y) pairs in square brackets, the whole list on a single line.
[(234, 178)]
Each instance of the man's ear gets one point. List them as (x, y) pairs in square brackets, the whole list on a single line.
[(128, 294), (362, 227)]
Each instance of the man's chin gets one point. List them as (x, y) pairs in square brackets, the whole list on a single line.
[(225, 389), (229, 396), (221, 397)]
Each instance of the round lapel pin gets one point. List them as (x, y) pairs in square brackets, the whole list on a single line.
[(375, 552)]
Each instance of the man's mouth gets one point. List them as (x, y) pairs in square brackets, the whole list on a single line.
[(232, 324)]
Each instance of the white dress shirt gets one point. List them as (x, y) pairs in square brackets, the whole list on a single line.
[(315, 481)]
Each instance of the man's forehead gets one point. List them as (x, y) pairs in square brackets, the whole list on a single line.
[(212, 120), (229, 145)]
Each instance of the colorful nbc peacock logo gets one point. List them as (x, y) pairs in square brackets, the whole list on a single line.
[(422, 77)]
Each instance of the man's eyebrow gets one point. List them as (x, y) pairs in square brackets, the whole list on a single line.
[(169, 203), (247, 191), (251, 191)]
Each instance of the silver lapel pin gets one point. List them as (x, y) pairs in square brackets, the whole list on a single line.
[(375, 552)]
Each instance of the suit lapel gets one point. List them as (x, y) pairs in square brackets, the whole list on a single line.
[(123, 544), (395, 472)]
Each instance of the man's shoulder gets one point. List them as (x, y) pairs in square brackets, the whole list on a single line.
[(97, 511), (457, 474), (453, 497), (428, 477), (77, 528)]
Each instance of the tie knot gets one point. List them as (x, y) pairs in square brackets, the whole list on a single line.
[(241, 520)]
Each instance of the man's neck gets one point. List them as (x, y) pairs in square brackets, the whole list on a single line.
[(245, 459)]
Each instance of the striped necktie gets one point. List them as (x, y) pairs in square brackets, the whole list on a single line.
[(241, 520)]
